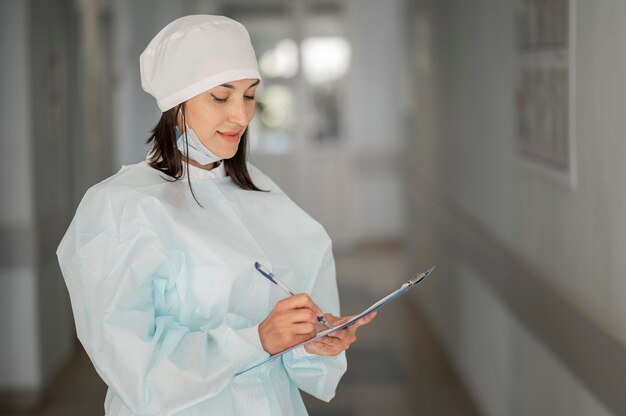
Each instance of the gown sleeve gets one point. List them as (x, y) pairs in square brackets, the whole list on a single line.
[(314, 374), (114, 274)]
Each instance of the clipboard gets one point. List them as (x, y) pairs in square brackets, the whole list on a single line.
[(376, 306)]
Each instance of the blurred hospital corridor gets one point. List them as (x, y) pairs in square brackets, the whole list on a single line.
[(483, 137)]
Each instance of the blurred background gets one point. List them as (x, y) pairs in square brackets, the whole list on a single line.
[(484, 137)]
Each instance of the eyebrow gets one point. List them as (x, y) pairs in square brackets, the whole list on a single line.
[(232, 87)]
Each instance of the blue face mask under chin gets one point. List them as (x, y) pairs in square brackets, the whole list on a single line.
[(197, 151)]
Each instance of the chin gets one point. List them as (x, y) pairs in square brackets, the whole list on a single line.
[(229, 154)]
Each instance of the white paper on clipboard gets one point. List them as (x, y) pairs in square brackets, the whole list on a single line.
[(403, 289)]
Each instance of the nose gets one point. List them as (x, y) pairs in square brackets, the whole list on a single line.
[(238, 113)]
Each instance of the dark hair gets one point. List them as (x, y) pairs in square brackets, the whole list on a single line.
[(166, 158)]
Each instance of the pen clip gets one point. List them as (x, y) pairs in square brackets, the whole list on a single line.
[(418, 278)]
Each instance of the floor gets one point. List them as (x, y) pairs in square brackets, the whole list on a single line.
[(395, 368)]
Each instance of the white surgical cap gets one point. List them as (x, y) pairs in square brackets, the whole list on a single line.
[(194, 54)]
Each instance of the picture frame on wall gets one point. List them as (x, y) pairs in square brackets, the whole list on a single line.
[(544, 91)]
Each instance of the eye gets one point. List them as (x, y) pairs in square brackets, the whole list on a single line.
[(249, 97), (218, 99)]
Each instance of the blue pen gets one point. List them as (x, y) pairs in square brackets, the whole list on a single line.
[(269, 276)]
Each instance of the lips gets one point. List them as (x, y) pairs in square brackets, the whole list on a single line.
[(230, 136)]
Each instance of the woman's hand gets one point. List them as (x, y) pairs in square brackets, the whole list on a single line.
[(338, 341), (292, 321)]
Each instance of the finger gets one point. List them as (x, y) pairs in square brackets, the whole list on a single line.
[(338, 334), (300, 300), (320, 327), (335, 320), (363, 321), (340, 320), (346, 336), (304, 328), (321, 348), (298, 339), (333, 342), (302, 315)]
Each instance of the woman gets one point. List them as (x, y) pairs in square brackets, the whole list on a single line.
[(159, 259)]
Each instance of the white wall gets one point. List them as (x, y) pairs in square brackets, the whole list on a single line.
[(19, 359), (573, 239), (135, 112), (52, 90), (42, 151), (377, 104)]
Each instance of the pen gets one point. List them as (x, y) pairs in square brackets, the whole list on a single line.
[(269, 276)]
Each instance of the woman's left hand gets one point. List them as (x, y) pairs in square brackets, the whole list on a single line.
[(338, 341)]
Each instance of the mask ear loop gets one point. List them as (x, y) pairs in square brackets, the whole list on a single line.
[(182, 110), (187, 153)]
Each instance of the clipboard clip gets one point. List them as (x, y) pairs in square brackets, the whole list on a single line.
[(417, 278)]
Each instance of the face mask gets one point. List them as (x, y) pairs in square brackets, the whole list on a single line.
[(197, 151)]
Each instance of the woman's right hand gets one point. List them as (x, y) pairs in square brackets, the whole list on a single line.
[(292, 321)]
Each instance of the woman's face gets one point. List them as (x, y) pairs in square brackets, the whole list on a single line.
[(221, 115)]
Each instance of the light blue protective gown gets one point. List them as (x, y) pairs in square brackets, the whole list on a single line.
[(167, 301)]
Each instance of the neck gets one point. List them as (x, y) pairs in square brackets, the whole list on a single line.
[(209, 166)]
